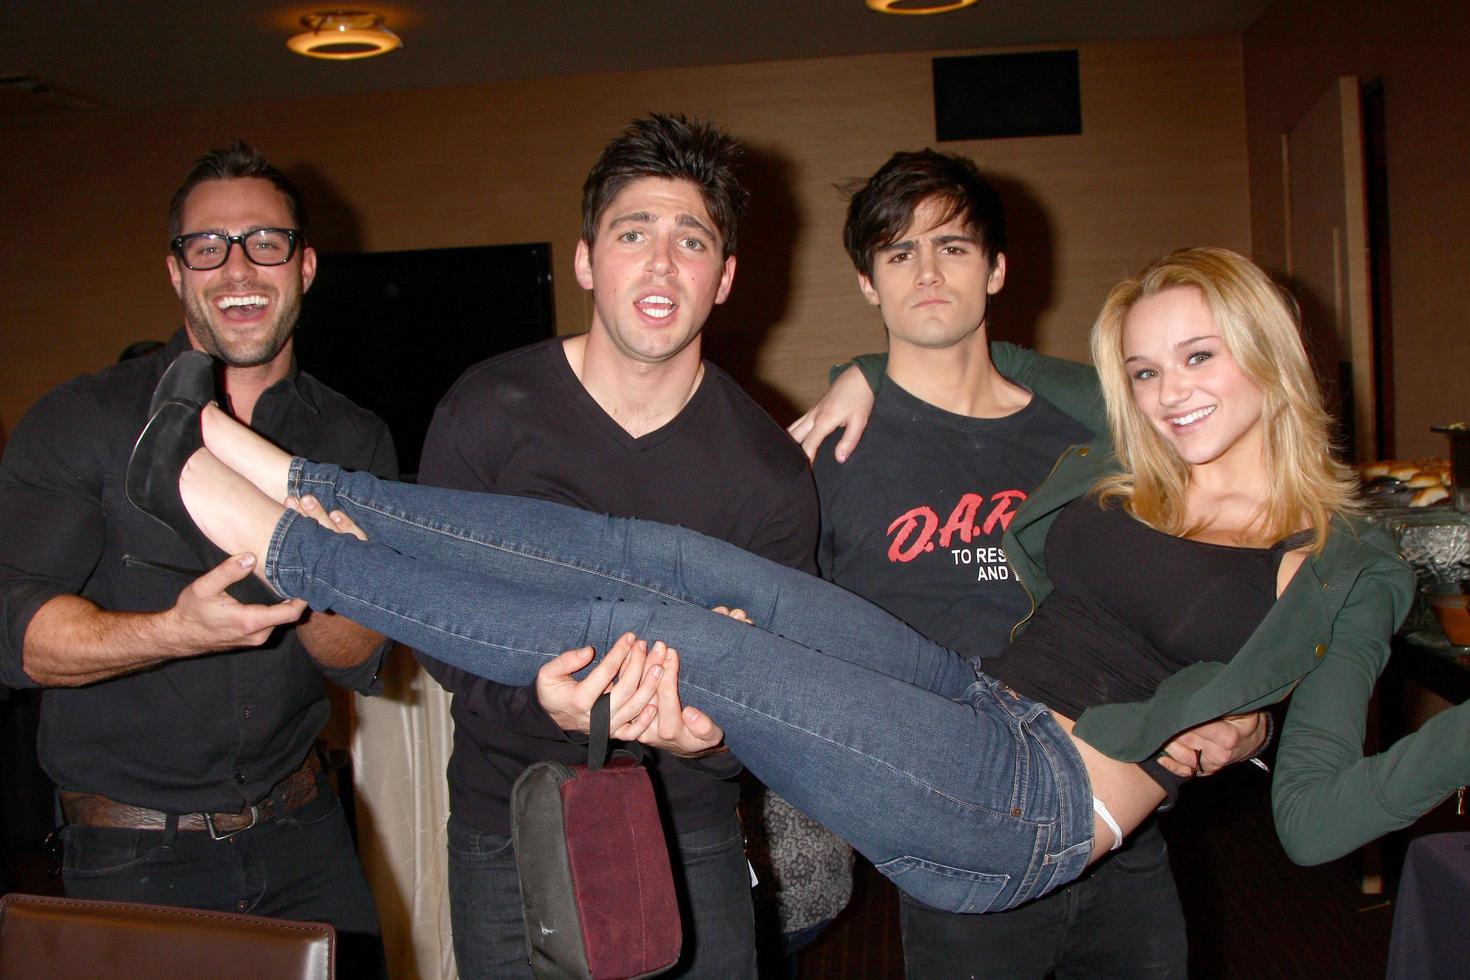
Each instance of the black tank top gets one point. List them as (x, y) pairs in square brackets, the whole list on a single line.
[(1132, 606)]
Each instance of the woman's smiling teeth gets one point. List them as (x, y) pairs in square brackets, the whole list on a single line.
[(657, 307), (1182, 420)]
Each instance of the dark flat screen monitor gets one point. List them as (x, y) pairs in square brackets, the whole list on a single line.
[(393, 330)]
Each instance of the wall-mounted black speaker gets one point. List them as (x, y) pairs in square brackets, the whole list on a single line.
[(993, 96)]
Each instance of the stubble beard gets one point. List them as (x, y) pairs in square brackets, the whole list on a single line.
[(197, 316)]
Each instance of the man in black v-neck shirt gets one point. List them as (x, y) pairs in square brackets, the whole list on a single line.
[(625, 419)]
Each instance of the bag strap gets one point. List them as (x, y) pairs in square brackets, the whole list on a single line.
[(597, 735)]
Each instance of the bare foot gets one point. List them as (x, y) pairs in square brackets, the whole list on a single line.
[(230, 511), (256, 459)]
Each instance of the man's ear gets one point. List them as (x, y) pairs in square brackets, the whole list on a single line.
[(175, 274), (582, 263), (866, 286), (727, 279), (308, 267), (997, 279)]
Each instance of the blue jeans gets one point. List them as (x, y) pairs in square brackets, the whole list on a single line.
[(966, 795), (710, 875)]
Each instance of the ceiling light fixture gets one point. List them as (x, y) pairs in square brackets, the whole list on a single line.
[(341, 35), (917, 8)]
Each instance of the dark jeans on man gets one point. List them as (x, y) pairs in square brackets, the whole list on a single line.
[(1122, 919), (710, 875), (299, 865), (26, 800)]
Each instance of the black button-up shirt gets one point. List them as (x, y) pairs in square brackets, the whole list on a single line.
[(207, 733)]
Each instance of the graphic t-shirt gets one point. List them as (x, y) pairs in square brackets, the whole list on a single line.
[(913, 520)]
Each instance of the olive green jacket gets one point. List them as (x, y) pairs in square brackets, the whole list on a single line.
[(1324, 642)]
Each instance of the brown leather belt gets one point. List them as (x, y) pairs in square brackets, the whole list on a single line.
[(95, 810)]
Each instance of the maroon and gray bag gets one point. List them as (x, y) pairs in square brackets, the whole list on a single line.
[(596, 889)]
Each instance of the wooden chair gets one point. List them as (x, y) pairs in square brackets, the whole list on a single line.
[(76, 939)]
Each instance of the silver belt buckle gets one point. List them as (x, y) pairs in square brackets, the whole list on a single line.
[(216, 835)]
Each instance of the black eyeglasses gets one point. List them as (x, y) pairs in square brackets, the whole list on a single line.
[(205, 250)]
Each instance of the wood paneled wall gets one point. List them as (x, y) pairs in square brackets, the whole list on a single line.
[(1161, 163), (1292, 54)]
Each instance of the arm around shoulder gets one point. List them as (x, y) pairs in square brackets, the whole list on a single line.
[(1069, 385), (847, 405)]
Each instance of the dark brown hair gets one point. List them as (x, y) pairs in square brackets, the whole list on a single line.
[(237, 160), (675, 148), (883, 206)]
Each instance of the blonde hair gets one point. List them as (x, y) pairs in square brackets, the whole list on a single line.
[(1258, 326)]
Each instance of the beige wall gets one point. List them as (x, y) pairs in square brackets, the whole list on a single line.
[(1292, 54), (1161, 163)]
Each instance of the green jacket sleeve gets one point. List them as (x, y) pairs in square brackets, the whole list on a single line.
[(873, 366), (1326, 796), (1070, 386)]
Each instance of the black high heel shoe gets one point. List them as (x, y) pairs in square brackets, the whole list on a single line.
[(189, 379), (171, 436)]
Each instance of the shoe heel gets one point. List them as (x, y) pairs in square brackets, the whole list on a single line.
[(171, 436)]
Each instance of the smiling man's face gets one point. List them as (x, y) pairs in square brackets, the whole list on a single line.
[(241, 313)]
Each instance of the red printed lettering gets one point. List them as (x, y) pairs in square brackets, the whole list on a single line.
[(918, 525), (961, 519), (1006, 503), (913, 533)]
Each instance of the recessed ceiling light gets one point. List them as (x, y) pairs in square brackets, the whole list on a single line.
[(341, 35), (918, 7)]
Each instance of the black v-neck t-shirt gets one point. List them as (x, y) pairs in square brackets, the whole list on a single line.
[(522, 423)]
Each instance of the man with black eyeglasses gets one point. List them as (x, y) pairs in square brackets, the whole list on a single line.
[(179, 724)]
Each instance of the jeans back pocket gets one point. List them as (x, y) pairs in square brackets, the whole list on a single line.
[(943, 887)]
